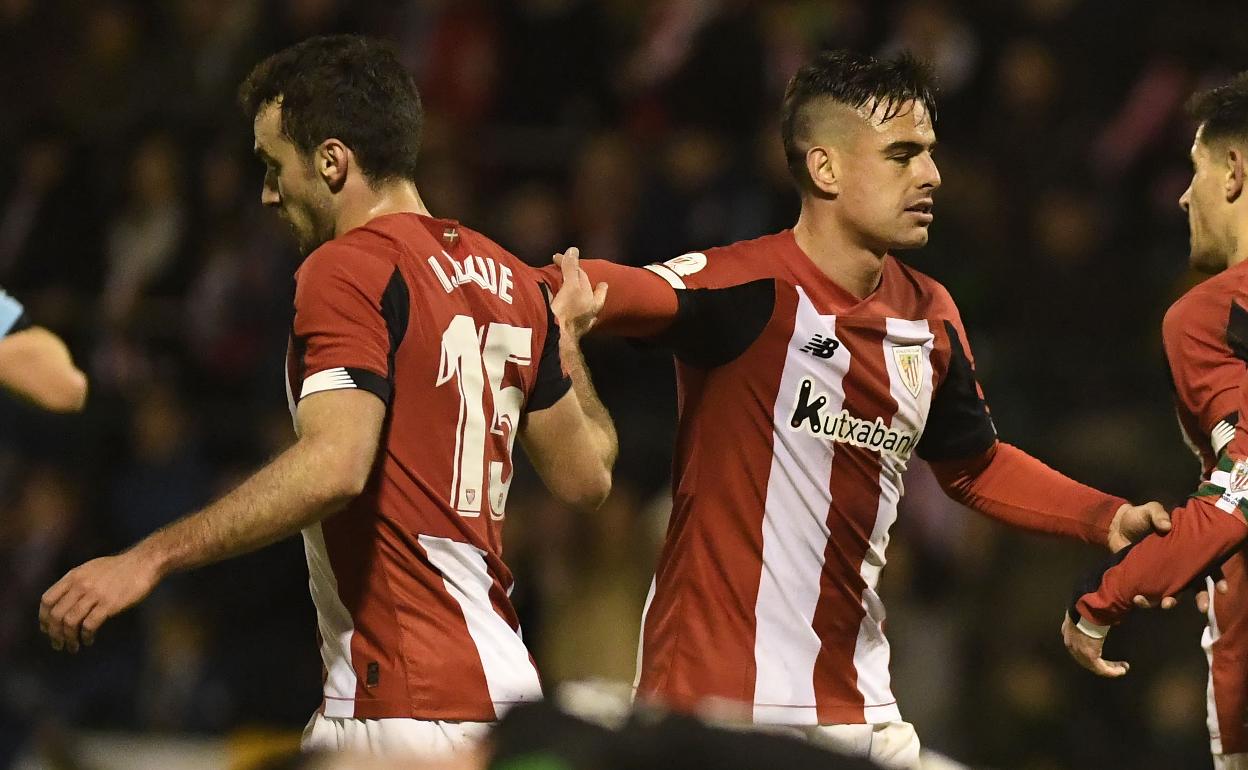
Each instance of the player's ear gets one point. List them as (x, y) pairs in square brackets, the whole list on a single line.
[(1235, 171), (332, 160), (824, 166)]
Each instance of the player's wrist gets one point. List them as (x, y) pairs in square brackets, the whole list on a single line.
[(150, 556)]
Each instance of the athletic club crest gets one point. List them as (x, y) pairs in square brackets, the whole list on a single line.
[(910, 367), (1238, 482)]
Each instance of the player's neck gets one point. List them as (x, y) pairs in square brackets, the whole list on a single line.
[(850, 265), (391, 198)]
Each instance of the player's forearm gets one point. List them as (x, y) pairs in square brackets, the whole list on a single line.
[(36, 366), (298, 488), (639, 304), (1015, 488), (599, 418), (1201, 537)]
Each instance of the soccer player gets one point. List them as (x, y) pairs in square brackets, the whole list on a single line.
[(419, 351), (1206, 340), (35, 365), (811, 365)]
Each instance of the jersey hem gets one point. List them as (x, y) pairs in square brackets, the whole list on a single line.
[(347, 708)]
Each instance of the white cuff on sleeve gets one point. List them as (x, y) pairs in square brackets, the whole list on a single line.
[(1092, 629)]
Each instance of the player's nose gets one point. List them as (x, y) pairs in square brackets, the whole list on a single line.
[(930, 177), (269, 196), (1186, 198)]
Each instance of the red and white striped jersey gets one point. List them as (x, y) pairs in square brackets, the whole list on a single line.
[(800, 406), (1205, 334), (411, 593)]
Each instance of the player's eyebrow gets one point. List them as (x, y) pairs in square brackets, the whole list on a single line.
[(908, 147), (262, 155)]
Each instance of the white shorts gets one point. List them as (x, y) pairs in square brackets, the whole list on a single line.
[(894, 745), (409, 738), (1230, 761)]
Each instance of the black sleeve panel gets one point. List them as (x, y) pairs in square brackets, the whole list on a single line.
[(551, 383), (958, 425), (1237, 331), (396, 305), (715, 326)]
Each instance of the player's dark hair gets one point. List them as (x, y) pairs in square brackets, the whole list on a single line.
[(854, 80), (1223, 111), (346, 87)]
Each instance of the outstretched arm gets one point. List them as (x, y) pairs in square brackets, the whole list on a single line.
[(640, 303), (339, 432), (1015, 488), (1208, 529)]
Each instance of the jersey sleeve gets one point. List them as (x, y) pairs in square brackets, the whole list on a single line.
[(351, 314), (959, 424), (1203, 533), (714, 326), (1206, 361), (994, 478), (1015, 488), (552, 381), (639, 303), (12, 315)]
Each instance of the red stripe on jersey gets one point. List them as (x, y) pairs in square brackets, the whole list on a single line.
[(695, 646), (855, 487)]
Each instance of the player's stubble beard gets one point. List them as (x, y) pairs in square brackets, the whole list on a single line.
[(311, 227)]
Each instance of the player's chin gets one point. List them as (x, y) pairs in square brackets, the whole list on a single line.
[(912, 238)]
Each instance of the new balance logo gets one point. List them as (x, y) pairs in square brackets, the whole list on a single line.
[(821, 346)]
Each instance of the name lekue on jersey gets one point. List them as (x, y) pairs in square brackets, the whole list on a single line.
[(483, 271), (809, 416)]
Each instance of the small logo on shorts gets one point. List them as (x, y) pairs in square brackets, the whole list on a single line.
[(373, 675)]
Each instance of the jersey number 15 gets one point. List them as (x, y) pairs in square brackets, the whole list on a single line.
[(474, 357)]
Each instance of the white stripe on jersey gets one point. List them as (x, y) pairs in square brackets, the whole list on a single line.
[(795, 534), (328, 379), (641, 636), (509, 672), (871, 651), (335, 625)]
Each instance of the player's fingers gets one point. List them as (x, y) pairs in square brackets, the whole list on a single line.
[(49, 599), (57, 625), (600, 296), (1168, 602), (73, 620), (1141, 602), (92, 622), (1222, 586), (1202, 601), (1110, 668), (1160, 517)]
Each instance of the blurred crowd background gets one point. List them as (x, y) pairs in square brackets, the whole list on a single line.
[(636, 129)]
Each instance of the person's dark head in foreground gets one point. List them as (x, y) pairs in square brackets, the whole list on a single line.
[(858, 134), (334, 117), (541, 735), (1216, 201)]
